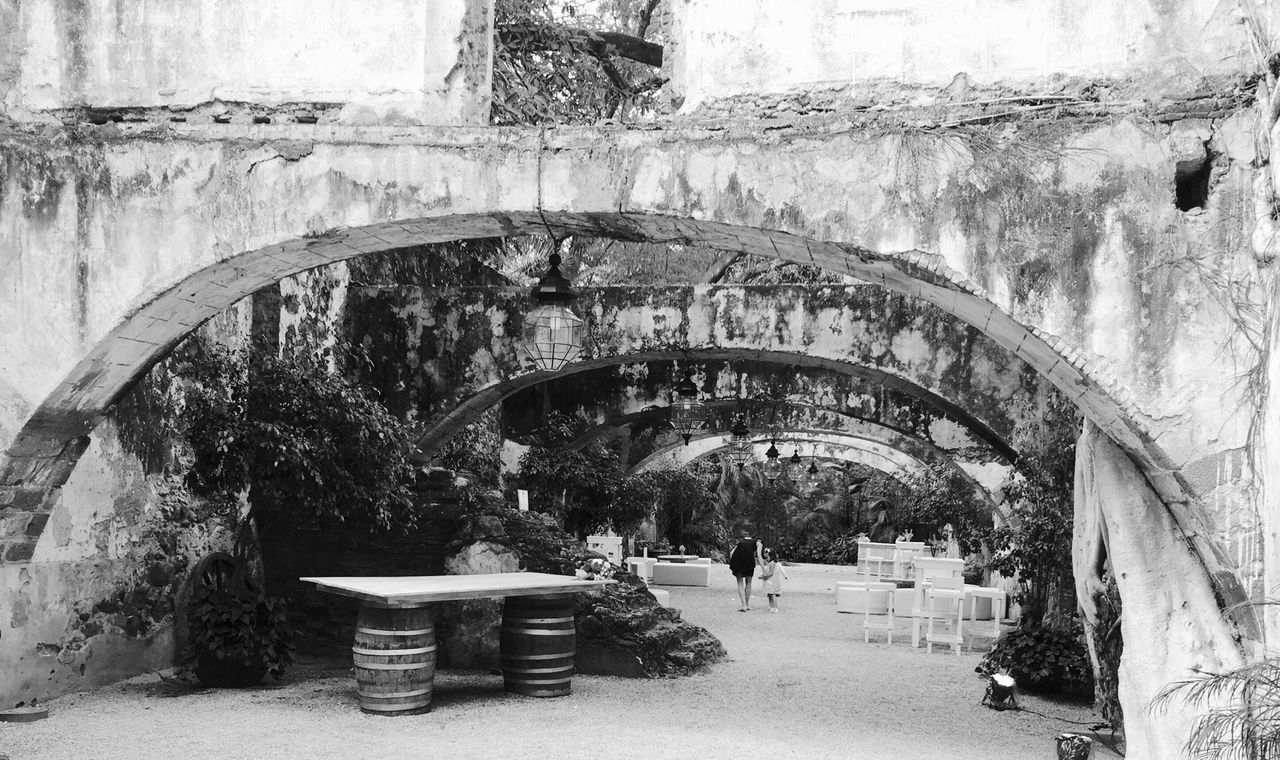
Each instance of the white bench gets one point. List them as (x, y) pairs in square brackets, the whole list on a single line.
[(687, 574)]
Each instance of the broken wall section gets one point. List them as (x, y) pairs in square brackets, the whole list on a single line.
[(392, 62)]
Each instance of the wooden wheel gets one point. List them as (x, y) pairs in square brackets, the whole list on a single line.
[(217, 572)]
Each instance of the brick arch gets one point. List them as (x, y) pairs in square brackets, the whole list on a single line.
[(45, 450)]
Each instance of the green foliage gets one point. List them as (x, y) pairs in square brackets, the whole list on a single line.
[(1042, 659), (310, 445), (689, 512), (938, 495), (241, 627), (1239, 719), (577, 487), (546, 71), (1041, 499)]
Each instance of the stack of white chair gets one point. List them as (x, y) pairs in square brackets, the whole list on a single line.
[(927, 570), (873, 558), (944, 607), (904, 557), (876, 601)]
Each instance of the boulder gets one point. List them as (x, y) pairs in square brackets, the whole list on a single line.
[(623, 631), (467, 630)]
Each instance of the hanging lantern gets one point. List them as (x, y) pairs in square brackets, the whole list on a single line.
[(688, 413), (772, 464), (795, 467), (552, 331), (740, 445), (812, 476)]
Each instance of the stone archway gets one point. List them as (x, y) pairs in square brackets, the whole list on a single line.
[(743, 193)]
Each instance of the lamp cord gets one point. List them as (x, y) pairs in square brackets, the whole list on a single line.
[(1089, 724)]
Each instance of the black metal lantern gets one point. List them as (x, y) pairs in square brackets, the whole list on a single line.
[(553, 331), (795, 466), (812, 476), (740, 445), (688, 413), (772, 466)]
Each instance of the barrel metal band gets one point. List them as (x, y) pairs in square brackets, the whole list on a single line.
[(539, 631), (539, 681), (396, 666), (558, 669), (544, 620), (560, 656), (394, 652), (398, 695), (380, 632)]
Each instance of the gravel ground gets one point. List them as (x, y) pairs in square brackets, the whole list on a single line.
[(799, 684)]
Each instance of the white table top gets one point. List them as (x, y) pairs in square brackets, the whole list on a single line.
[(417, 590)]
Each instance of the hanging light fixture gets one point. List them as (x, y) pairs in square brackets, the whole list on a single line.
[(812, 476), (772, 464), (740, 444), (552, 331), (688, 413), (795, 466)]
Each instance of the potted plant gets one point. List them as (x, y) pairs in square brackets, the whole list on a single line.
[(236, 633)]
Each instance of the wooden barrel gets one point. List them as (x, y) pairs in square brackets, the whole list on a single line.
[(538, 639), (395, 659)]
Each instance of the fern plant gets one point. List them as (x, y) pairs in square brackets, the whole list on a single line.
[(1241, 718)]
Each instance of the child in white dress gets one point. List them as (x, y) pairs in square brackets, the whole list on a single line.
[(771, 573)]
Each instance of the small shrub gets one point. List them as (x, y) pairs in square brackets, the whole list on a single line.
[(1043, 660), (240, 629)]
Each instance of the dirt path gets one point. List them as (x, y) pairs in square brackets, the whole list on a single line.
[(800, 684)]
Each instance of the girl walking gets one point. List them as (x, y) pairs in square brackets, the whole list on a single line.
[(771, 575)]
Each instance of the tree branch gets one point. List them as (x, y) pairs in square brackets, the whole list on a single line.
[(598, 43)]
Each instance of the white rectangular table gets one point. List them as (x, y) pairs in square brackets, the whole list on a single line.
[(395, 642)]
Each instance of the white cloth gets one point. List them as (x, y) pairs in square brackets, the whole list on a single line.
[(772, 574)]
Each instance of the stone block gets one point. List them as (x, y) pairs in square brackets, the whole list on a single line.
[(19, 551), (35, 526), (22, 499)]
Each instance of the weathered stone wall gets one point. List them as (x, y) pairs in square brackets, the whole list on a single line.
[(1123, 282), (103, 596), (901, 50), (100, 596), (433, 349), (330, 61)]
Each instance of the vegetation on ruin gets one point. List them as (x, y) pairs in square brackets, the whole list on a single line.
[(555, 63), (308, 445)]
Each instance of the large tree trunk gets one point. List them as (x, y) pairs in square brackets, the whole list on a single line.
[(1172, 624)]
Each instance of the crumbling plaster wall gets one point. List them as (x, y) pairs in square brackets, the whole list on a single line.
[(434, 348), (407, 63), (102, 597), (896, 50)]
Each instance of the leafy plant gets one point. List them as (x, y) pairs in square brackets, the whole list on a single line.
[(938, 495), (1036, 546), (240, 628), (235, 633), (545, 70), (1240, 719), (310, 446), (1042, 659), (576, 486)]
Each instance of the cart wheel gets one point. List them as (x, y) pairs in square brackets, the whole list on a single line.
[(216, 572)]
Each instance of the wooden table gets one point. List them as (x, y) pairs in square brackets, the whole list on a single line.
[(679, 559), (395, 642)]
